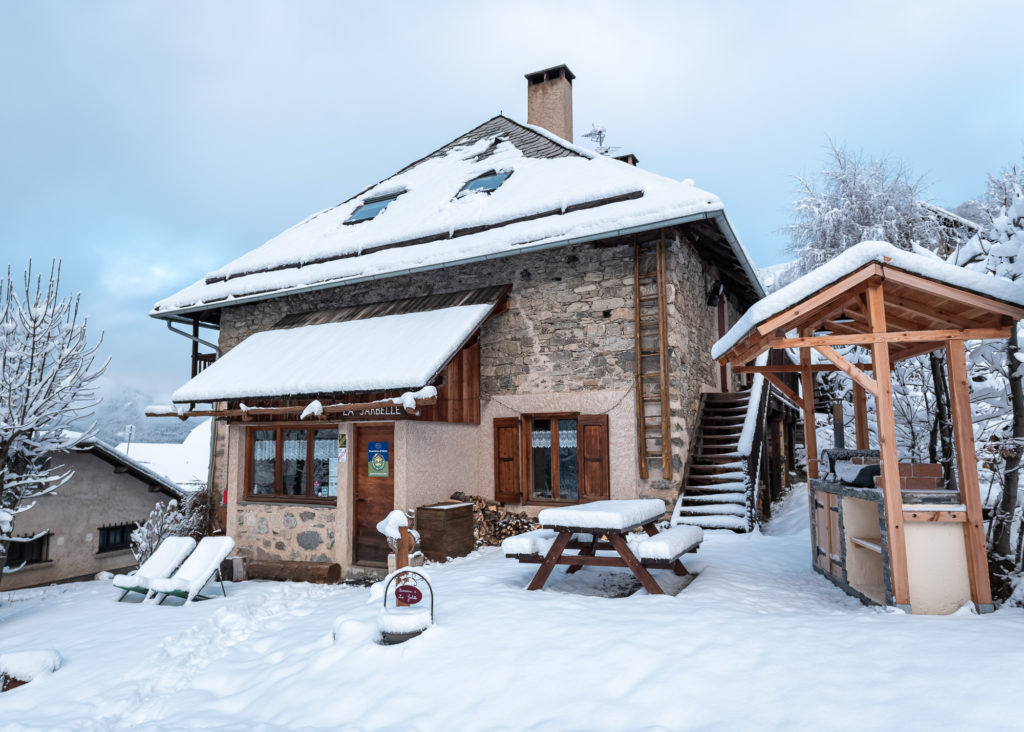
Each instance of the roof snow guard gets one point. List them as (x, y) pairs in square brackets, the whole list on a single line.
[(556, 195)]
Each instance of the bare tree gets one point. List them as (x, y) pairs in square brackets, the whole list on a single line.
[(46, 383)]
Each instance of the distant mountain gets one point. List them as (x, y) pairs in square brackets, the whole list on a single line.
[(121, 408)]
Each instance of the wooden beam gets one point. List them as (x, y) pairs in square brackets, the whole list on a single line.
[(851, 284), (946, 517), (892, 498), (917, 349), (807, 401), (900, 336), (781, 386), (860, 417), (328, 410), (849, 369), (967, 471), (948, 293), (791, 368)]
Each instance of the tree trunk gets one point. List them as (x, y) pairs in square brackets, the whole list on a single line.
[(943, 419), (1003, 519)]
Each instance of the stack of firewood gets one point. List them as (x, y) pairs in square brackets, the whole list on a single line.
[(492, 523)]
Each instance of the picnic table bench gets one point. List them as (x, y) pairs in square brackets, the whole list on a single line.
[(605, 526)]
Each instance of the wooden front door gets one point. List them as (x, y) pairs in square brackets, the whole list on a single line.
[(374, 495)]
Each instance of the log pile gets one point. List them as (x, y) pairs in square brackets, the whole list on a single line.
[(492, 523)]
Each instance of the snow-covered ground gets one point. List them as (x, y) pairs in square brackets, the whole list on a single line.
[(757, 641)]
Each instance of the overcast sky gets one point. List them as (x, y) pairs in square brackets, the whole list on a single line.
[(147, 143)]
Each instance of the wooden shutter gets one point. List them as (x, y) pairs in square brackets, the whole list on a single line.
[(506, 460), (593, 455)]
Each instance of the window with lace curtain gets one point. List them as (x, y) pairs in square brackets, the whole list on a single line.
[(291, 464)]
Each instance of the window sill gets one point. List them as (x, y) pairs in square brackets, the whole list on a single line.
[(331, 502), (35, 565), (119, 551)]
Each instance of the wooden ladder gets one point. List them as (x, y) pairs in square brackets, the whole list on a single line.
[(654, 438)]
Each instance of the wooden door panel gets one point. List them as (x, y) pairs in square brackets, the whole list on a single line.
[(374, 497)]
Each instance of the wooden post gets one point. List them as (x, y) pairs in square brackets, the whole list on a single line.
[(807, 399), (402, 550), (892, 498), (967, 470), (860, 416)]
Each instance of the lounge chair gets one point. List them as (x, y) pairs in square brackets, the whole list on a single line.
[(197, 570), (160, 564)]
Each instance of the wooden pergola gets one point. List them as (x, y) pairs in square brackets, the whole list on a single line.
[(895, 314)]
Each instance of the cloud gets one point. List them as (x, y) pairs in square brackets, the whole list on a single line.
[(127, 278)]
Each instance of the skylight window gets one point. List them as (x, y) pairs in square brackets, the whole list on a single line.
[(371, 207), (485, 183)]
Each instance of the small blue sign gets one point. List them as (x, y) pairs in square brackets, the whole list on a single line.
[(377, 456)]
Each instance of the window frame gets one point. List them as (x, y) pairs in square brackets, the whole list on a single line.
[(467, 191), (128, 527), (44, 554), (278, 496), (556, 483), (387, 200)]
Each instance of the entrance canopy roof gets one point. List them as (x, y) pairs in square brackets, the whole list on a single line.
[(400, 351), (927, 301)]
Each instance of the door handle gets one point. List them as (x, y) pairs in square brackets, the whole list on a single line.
[(360, 500)]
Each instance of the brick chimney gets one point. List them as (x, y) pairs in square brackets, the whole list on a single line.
[(549, 100)]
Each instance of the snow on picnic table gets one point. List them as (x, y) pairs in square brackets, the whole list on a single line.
[(757, 641), (604, 514)]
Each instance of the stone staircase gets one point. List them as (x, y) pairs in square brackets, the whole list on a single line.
[(715, 493)]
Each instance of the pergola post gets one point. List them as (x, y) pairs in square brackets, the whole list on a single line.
[(860, 416), (807, 399), (892, 498), (967, 472)]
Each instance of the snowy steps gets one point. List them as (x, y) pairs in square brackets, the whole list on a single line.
[(715, 494)]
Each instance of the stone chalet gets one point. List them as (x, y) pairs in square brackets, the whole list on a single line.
[(510, 316)]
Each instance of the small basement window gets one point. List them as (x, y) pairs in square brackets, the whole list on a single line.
[(36, 551), (115, 538), (371, 207), (486, 183)]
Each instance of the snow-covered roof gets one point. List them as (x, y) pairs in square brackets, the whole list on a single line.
[(186, 463), (556, 194), (132, 466), (390, 352), (931, 267)]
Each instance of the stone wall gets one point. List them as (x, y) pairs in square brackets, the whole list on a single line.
[(285, 532)]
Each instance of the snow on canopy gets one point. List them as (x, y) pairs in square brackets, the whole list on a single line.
[(929, 267), (387, 352), (555, 192)]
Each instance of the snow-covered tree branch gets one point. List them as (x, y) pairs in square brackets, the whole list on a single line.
[(46, 383)]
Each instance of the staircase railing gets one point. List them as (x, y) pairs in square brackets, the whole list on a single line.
[(751, 442)]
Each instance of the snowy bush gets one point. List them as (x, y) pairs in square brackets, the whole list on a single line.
[(190, 517)]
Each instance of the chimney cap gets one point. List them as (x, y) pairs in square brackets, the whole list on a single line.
[(555, 72)]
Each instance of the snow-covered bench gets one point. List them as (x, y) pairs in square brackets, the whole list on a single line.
[(660, 551)]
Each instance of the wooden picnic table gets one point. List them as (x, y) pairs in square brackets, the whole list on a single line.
[(582, 527)]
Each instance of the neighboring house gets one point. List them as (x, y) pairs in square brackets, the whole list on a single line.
[(86, 524), (540, 315)]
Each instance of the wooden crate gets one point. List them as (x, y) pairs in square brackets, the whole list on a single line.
[(446, 530)]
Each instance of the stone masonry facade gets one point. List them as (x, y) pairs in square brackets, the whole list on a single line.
[(569, 327)]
